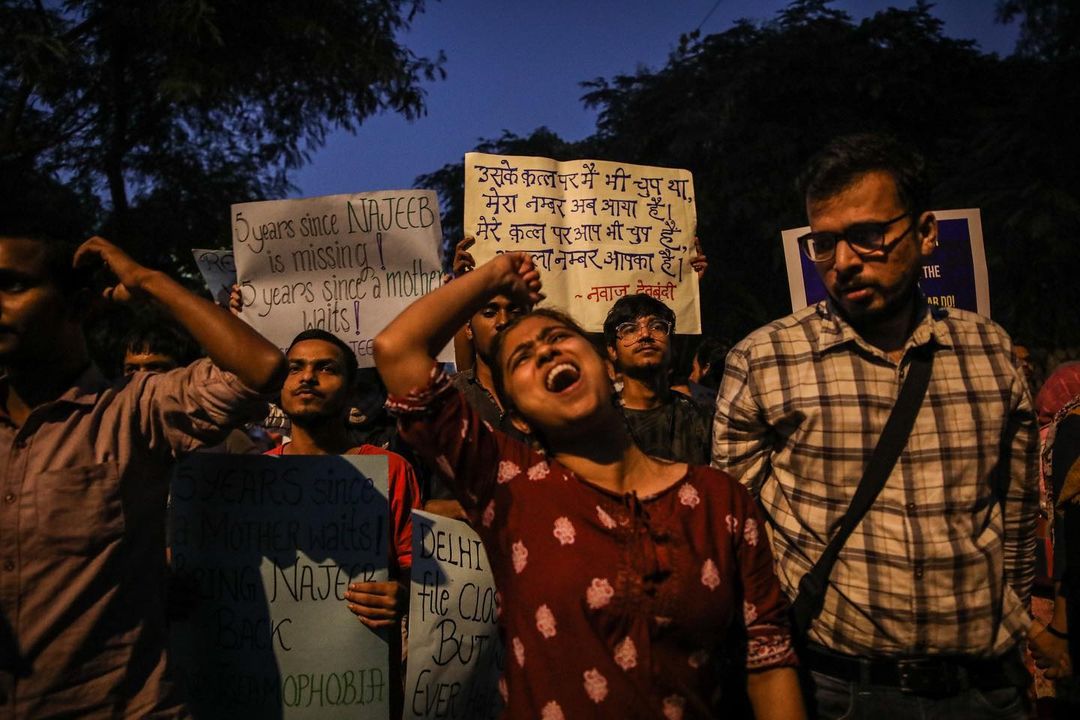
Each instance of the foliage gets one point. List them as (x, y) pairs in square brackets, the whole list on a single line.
[(744, 109), (1049, 29), (168, 106), (449, 180), (159, 112)]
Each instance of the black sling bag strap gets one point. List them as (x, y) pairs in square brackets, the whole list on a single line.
[(811, 598)]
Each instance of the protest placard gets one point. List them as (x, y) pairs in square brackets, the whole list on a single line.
[(596, 230), (263, 550), (955, 275), (455, 655), (347, 264), (218, 271)]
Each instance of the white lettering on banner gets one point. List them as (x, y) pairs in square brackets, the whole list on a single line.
[(263, 551)]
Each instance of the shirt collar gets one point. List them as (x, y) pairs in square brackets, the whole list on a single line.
[(836, 331), (90, 383), (84, 391)]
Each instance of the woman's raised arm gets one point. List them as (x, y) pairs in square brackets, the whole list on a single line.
[(406, 348)]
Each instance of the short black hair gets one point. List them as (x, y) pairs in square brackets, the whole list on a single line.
[(42, 210), (352, 367), (162, 339), (631, 308), (845, 159), (712, 353), (705, 350)]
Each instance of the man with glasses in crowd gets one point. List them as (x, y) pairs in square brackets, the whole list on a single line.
[(925, 610), (665, 424)]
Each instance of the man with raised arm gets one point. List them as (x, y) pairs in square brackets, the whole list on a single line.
[(472, 347), (925, 609), (472, 355), (85, 476)]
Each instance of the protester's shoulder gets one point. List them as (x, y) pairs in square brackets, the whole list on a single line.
[(721, 485), (687, 405), (972, 330), (432, 397), (393, 460), (201, 376), (797, 328), (401, 475), (132, 390), (784, 341)]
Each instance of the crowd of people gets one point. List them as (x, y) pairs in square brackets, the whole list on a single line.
[(836, 518)]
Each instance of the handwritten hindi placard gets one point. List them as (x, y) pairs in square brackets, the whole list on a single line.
[(218, 272), (347, 264), (266, 548), (955, 276), (597, 230), (455, 655)]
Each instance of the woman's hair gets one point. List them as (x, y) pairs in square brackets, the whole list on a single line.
[(500, 337)]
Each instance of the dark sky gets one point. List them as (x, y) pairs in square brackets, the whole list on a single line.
[(517, 65)]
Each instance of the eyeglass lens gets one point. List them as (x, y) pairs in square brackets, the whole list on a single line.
[(655, 326)]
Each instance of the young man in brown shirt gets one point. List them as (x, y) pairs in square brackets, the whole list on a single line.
[(85, 471)]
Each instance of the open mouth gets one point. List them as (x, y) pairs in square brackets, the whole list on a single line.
[(561, 377)]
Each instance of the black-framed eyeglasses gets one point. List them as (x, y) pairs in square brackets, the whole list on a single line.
[(657, 327), (865, 239)]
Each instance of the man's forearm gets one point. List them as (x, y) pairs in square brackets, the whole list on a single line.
[(775, 694), (231, 343)]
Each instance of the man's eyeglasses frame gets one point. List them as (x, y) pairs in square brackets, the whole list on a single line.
[(872, 244)]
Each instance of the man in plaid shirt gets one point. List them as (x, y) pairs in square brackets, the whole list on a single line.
[(926, 608)]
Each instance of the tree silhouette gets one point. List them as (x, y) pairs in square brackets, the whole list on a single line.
[(169, 107), (745, 108)]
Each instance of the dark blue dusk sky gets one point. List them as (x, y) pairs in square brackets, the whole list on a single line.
[(517, 65)]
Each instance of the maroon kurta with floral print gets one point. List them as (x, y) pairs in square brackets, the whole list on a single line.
[(613, 606)]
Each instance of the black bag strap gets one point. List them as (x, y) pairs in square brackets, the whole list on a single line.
[(811, 597)]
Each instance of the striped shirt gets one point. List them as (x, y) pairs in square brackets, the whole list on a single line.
[(938, 565)]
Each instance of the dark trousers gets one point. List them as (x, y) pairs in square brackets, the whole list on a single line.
[(863, 689), (834, 699)]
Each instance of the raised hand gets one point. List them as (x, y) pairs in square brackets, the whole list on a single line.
[(699, 262), (463, 259), (130, 274)]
